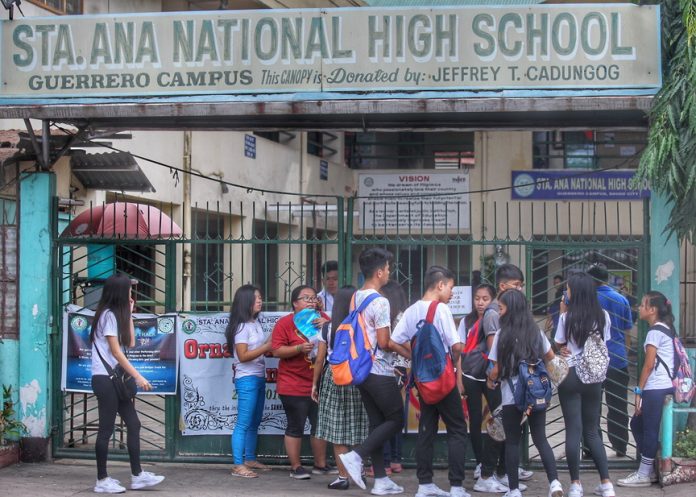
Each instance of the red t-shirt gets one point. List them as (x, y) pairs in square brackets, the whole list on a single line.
[(295, 374)]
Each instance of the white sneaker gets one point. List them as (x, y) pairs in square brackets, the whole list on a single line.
[(635, 479), (145, 479), (354, 465), (504, 480), (513, 493), (477, 472), (490, 485), (431, 490), (575, 490), (605, 490), (385, 486), (524, 475), (459, 492), (108, 486), (555, 489)]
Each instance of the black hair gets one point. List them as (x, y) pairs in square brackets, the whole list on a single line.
[(436, 274), (341, 308), (296, 293), (372, 259), (115, 298), (328, 266), (508, 272), (241, 311), (599, 272), (558, 276), (664, 307), (519, 338), (585, 315), (398, 302), (473, 316)]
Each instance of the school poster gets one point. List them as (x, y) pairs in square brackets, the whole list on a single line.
[(154, 354), (208, 396)]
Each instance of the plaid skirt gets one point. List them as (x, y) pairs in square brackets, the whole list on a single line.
[(342, 417)]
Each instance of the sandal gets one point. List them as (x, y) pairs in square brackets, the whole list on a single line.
[(257, 465), (242, 471)]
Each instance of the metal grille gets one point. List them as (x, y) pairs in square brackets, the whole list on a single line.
[(281, 245)]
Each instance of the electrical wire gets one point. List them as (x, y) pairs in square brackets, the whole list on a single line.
[(250, 189)]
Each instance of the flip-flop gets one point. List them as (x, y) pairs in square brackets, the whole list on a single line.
[(257, 466), (242, 471)]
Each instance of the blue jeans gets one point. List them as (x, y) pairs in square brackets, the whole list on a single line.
[(646, 426), (251, 395)]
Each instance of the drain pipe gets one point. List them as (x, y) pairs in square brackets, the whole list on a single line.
[(186, 183)]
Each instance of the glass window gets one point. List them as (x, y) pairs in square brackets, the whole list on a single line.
[(69, 7), (588, 149)]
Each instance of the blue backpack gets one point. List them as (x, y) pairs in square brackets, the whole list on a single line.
[(533, 391), (352, 357), (431, 366)]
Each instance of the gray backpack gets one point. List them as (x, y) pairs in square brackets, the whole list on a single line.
[(591, 366)]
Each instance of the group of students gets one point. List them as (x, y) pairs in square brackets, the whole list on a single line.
[(360, 420)]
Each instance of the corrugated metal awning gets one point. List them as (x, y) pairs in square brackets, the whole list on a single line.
[(109, 171)]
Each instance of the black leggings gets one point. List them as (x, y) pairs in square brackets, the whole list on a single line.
[(385, 410), (512, 417), (581, 405), (489, 453), (108, 405)]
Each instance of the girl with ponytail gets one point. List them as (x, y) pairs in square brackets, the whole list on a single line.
[(654, 384)]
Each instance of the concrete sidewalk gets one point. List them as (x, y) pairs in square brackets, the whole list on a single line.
[(66, 477)]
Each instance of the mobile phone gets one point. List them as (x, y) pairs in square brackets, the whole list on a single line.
[(566, 300)]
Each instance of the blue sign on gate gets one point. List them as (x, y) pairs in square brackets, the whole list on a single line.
[(575, 185)]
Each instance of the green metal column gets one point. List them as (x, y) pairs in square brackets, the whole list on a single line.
[(664, 277), (35, 310), (172, 407), (664, 254)]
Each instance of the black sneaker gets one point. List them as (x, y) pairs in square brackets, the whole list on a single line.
[(300, 473), (326, 470), (339, 484)]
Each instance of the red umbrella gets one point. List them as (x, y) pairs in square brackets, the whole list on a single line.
[(123, 220)]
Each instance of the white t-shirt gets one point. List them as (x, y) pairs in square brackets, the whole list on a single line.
[(407, 327), (377, 316), (252, 335), (107, 326), (575, 350), (327, 299), (505, 390), (659, 378)]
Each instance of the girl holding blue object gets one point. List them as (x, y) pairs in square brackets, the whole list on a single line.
[(654, 384), (247, 343)]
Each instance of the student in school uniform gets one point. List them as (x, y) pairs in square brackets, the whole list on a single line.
[(438, 282)]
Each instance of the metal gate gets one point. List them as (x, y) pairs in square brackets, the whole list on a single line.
[(279, 245)]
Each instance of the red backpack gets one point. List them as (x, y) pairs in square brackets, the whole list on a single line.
[(431, 366), (474, 357)]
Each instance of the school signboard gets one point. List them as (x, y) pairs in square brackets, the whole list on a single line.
[(612, 46)]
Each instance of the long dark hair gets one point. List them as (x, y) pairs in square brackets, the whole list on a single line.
[(341, 305), (340, 309), (473, 316), (398, 302), (584, 316), (241, 311), (664, 307), (115, 297), (519, 338)]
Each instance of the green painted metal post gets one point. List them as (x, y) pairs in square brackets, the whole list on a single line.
[(348, 259), (341, 240), (35, 310), (171, 413)]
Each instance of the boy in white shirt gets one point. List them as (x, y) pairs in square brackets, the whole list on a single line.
[(438, 282), (380, 392)]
